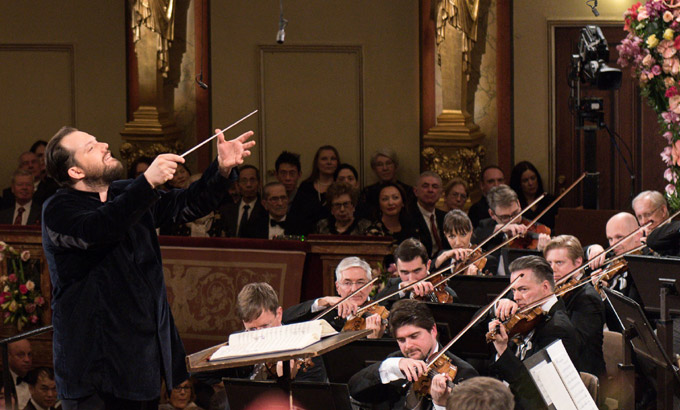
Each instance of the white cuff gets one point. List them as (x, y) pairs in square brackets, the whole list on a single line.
[(389, 370)]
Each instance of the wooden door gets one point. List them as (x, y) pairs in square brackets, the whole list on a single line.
[(625, 113)]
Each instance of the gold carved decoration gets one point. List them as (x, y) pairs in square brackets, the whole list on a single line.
[(462, 162), (131, 151)]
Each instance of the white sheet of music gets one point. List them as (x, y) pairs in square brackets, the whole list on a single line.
[(570, 377), (551, 387), (274, 339)]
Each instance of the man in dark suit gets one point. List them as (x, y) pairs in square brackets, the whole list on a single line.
[(351, 274), (272, 223), (235, 216), (43, 389), (535, 283), (27, 161), (491, 176), (413, 265), (429, 220), (24, 210), (381, 384)]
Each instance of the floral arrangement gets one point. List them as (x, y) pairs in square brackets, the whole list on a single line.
[(20, 301), (652, 48)]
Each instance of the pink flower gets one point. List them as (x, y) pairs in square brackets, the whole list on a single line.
[(648, 60), (676, 42), (666, 155), (670, 189), (2, 299), (25, 255), (669, 136), (666, 49), (671, 65), (12, 277), (674, 104), (667, 16), (30, 307), (670, 117), (39, 301), (34, 319), (669, 175), (656, 70), (6, 315), (675, 153), (642, 14), (23, 289), (30, 285)]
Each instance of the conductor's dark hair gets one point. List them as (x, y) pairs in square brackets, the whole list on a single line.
[(410, 249), (481, 393), (539, 266), (58, 159), (410, 312), (287, 157)]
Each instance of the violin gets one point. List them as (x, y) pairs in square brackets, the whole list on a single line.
[(520, 323), (421, 387), (359, 322), (530, 239), (439, 295), (267, 371)]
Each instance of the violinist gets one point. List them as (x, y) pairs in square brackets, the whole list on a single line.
[(458, 232), (536, 284), (413, 264), (652, 206), (351, 274), (381, 384), (257, 306)]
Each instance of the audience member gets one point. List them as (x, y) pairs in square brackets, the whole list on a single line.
[(481, 393), (42, 388), (491, 176), (24, 210), (412, 324), (38, 148), (181, 179), (342, 198), (347, 173), (138, 166), (429, 220), (384, 164), (235, 217), (392, 216), (456, 194), (272, 223), (46, 186), (528, 184), (309, 205), (27, 161), (288, 171), (20, 363), (181, 397)]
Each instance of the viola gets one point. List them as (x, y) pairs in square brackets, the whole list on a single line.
[(439, 295), (421, 387), (359, 322), (530, 239), (520, 323)]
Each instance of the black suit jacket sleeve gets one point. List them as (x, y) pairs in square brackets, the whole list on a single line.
[(586, 312), (509, 368), (666, 239)]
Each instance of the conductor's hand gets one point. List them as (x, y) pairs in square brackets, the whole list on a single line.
[(412, 369), (162, 169), (439, 389), (505, 308), (232, 153)]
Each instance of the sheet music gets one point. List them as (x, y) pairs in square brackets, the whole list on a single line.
[(570, 377), (274, 339), (551, 387)]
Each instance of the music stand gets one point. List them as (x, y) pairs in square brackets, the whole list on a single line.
[(639, 334), (646, 272), (451, 319), (478, 290), (363, 352), (309, 395), (519, 253)]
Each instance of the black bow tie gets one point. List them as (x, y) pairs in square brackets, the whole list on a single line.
[(19, 380), (273, 222)]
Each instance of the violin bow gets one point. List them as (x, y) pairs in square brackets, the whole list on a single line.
[(556, 200), (332, 307)]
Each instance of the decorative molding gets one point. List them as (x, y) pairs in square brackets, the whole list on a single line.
[(69, 49), (356, 51)]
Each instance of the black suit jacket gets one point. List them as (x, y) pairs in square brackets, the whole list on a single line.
[(423, 233), (665, 239), (303, 312), (229, 217), (366, 386), (30, 406), (478, 211), (586, 312), (258, 226), (7, 214), (508, 367)]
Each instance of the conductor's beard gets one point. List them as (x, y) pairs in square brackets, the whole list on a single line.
[(110, 171)]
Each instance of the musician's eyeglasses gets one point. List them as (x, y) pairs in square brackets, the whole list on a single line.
[(349, 283), (458, 195), (507, 218), (340, 205), (648, 215)]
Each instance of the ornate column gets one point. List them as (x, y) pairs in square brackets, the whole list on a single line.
[(152, 129), (452, 147)]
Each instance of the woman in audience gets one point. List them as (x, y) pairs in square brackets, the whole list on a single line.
[(456, 193), (139, 166), (342, 199), (385, 163), (182, 397), (309, 205), (181, 178), (392, 217), (527, 183), (347, 173)]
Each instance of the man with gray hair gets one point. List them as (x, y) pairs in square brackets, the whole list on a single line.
[(23, 210), (429, 221), (351, 274), (650, 206)]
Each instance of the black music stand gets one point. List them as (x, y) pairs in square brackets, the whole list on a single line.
[(640, 336), (342, 363), (478, 290), (309, 395), (451, 319), (646, 272)]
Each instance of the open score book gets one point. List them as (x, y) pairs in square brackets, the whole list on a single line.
[(274, 339)]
